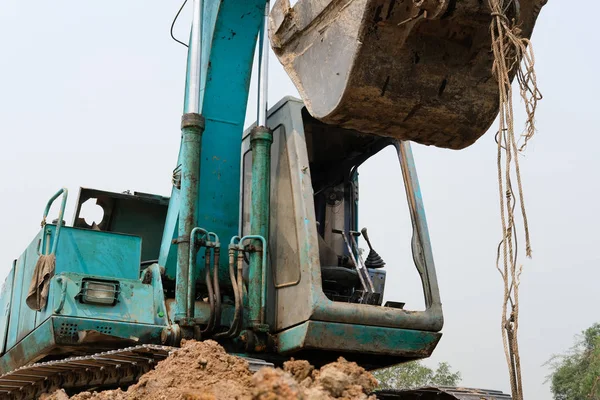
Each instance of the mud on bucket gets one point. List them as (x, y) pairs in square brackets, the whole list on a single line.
[(417, 70)]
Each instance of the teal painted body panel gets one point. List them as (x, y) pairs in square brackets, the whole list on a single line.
[(27, 316), (332, 336), (160, 312), (80, 253), (57, 333), (134, 304), (68, 331), (31, 349), (18, 296), (5, 306), (138, 303), (97, 253), (139, 316), (143, 220), (231, 52), (168, 251)]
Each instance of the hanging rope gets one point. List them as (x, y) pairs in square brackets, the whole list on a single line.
[(513, 55)]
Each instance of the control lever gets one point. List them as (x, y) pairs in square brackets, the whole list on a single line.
[(363, 273), (374, 260)]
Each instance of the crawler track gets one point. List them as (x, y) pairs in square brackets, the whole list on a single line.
[(114, 368)]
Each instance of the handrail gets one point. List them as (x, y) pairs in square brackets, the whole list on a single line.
[(63, 294), (65, 193)]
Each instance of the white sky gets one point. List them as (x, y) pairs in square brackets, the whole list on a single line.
[(91, 95)]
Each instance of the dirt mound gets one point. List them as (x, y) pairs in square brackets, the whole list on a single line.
[(58, 395), (299, 380), (204, 371)]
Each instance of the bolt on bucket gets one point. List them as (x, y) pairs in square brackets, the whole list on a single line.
[(418, 70)]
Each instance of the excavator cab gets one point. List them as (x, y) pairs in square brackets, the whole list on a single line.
[(325, 298)]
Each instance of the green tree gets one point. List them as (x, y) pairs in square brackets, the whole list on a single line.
[(576, 374), (414, 374)]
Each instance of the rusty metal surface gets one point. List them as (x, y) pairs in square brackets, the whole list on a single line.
[(107, 369), (417, 70), (442, 393)]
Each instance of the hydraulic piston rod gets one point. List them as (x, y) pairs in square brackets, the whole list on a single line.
[(192, 127), (260, 142)]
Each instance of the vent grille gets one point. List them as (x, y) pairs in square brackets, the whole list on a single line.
[(68, 330), (104, 329)]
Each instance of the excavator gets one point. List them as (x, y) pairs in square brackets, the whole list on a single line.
[(257, 246)]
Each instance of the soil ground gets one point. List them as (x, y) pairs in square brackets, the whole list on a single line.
[(204, 371)]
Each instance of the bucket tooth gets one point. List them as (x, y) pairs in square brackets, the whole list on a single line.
[(418, 70)]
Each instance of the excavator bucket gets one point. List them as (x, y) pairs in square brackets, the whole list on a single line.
[(418, 70)]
